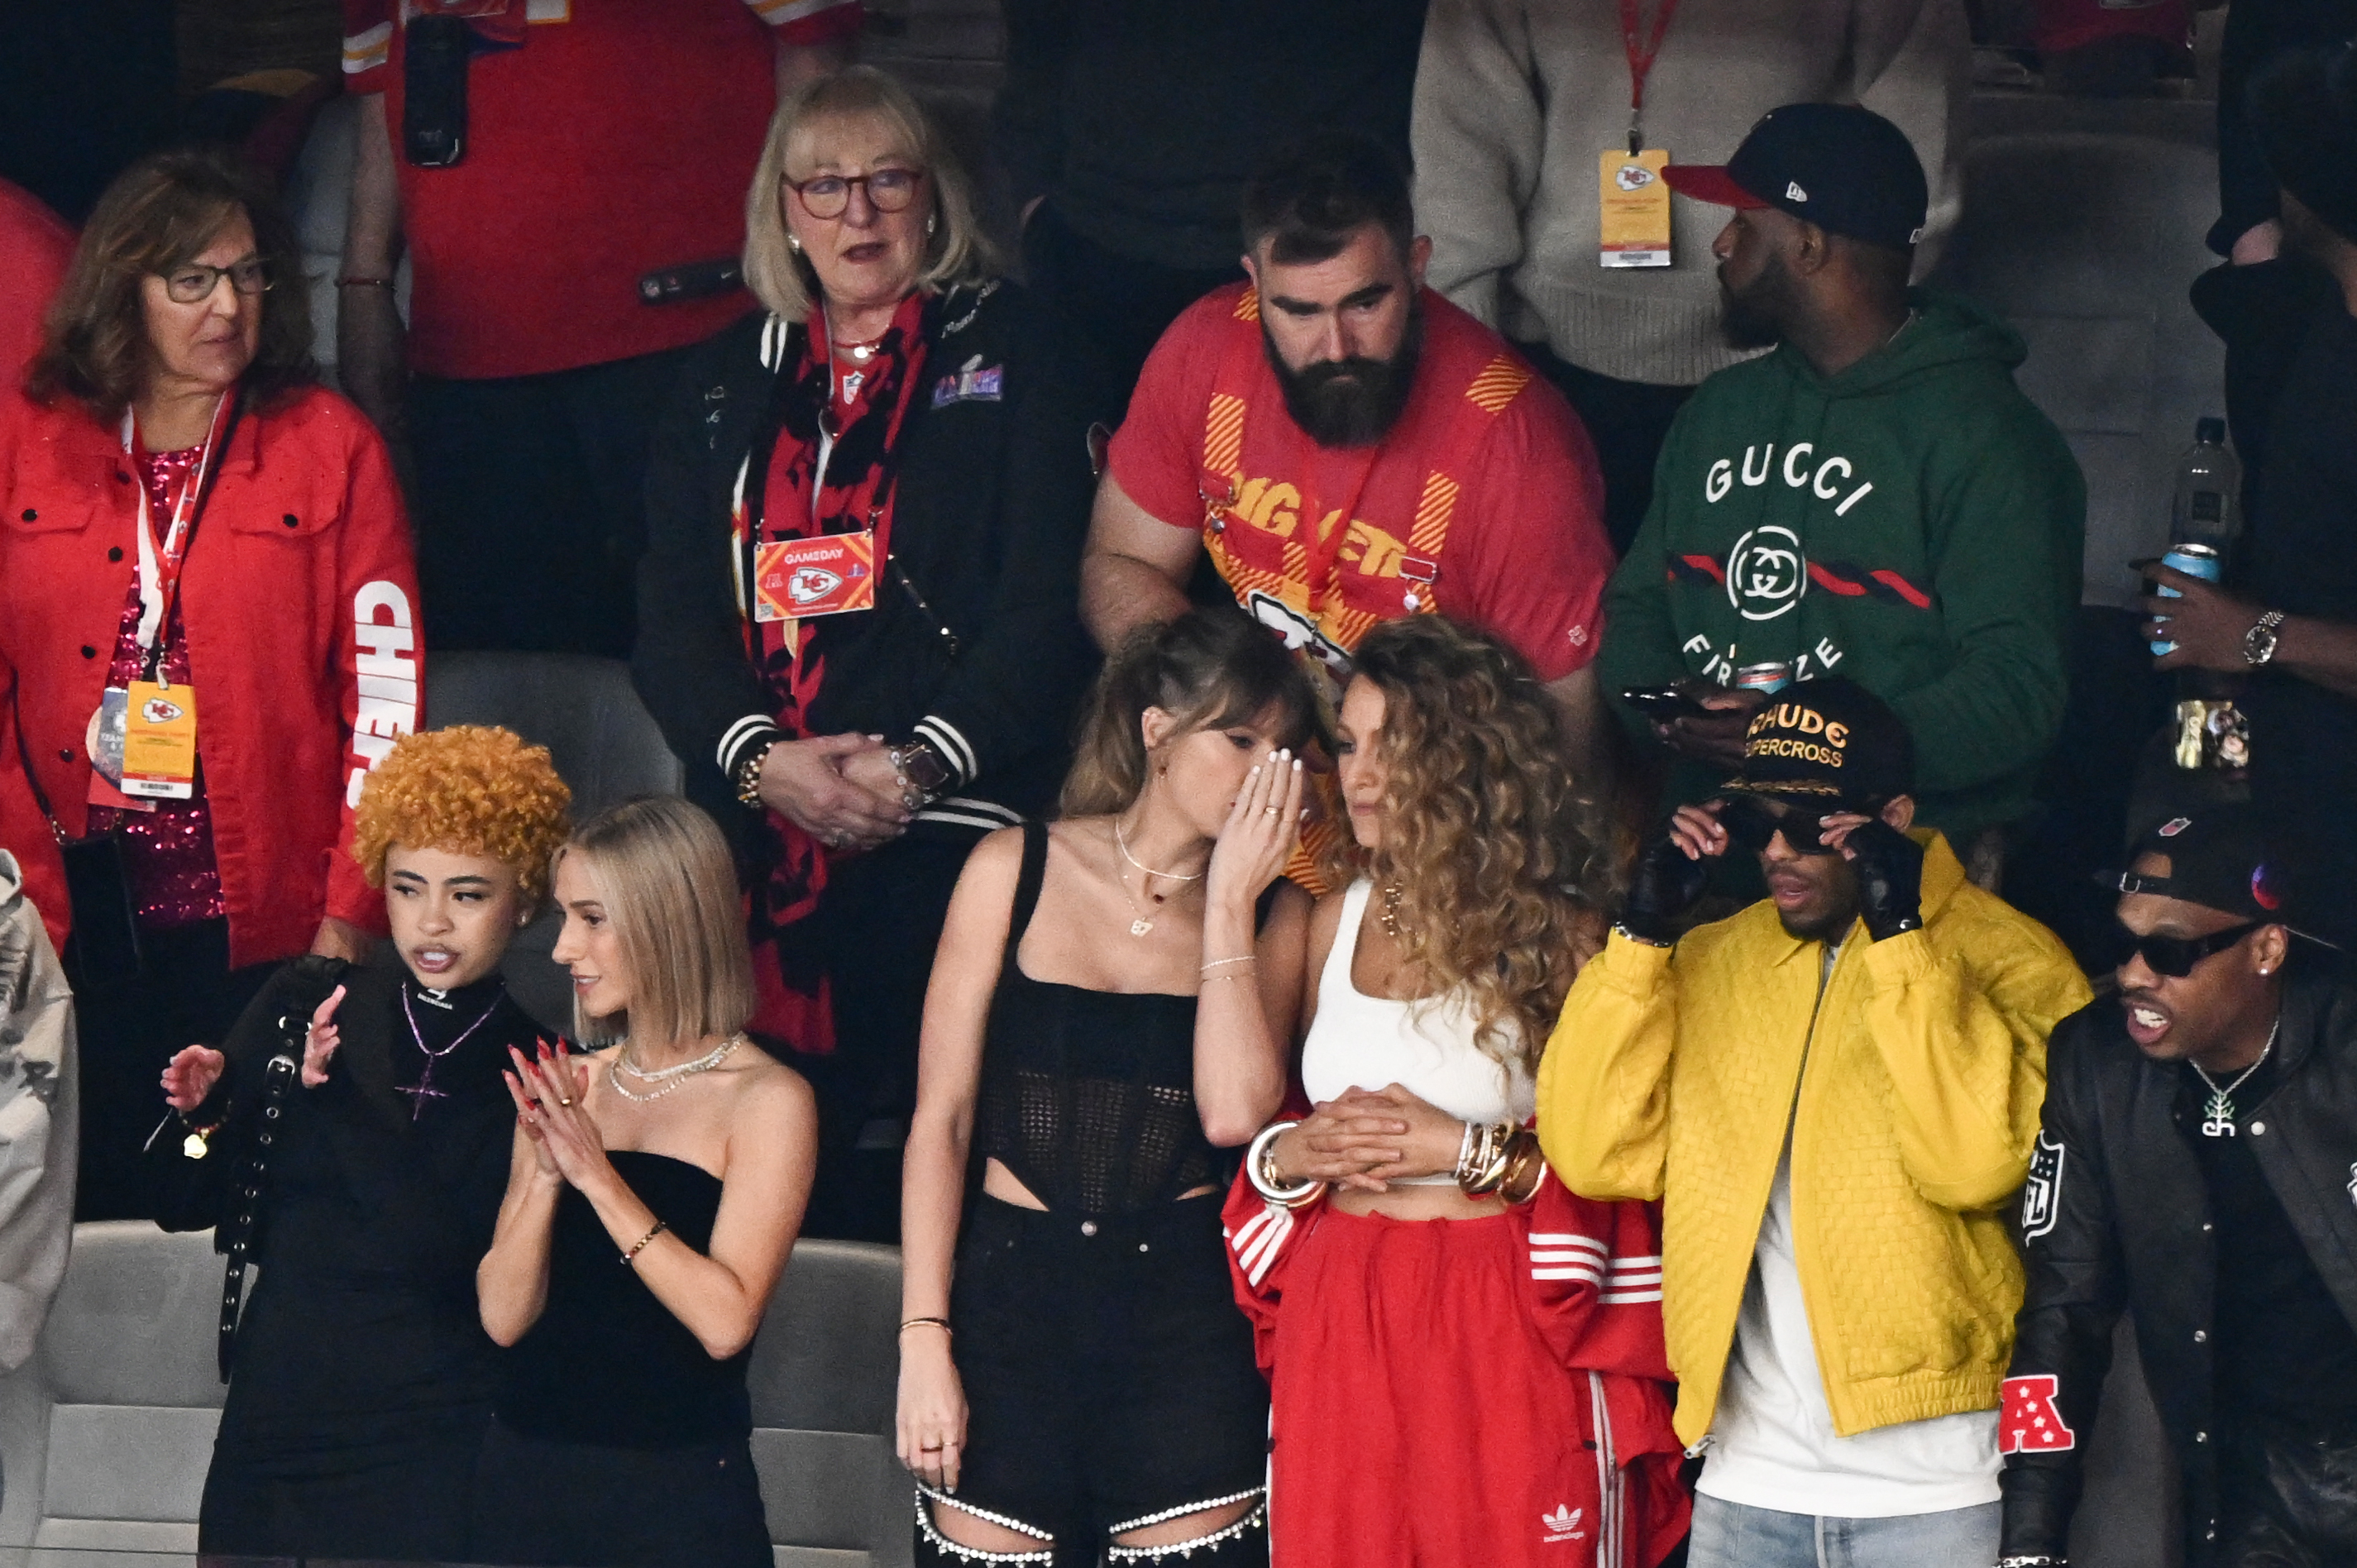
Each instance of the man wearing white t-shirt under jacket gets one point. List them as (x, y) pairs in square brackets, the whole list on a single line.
[(1834, 1095)]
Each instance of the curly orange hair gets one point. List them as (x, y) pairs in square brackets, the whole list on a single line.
[(468, 789), (1503, 882)]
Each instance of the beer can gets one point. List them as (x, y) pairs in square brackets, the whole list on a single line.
[(1765, 679), (2201, 560)]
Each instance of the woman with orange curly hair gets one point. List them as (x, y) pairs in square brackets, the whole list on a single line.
[(1464, 1360), (350, 1138)]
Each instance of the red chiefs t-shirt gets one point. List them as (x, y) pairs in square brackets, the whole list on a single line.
[(36, 249), (617, 138), (1493, 514)]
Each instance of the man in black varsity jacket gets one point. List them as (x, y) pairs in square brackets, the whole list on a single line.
[(2198, 1166)]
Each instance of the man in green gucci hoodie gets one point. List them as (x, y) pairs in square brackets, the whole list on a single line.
[(1875, 497)]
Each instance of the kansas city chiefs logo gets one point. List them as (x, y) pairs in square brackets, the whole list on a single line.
[(156, 710), (810, 583)]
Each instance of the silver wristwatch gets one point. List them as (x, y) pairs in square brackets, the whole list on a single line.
[(2259, 642)]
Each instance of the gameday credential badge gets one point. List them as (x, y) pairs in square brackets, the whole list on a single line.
[(2027, 1421), (2041, 1195), (830, 576)]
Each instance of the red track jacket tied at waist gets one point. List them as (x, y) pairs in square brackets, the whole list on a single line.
[(299, 598)]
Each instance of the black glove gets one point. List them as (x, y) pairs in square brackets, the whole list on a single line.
[(1663, 886), (1890, 867)]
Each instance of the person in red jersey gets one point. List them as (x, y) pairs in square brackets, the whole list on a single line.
[(1350, 447), (568, 177)]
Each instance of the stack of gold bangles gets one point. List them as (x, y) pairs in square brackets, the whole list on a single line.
[(1499, 1158), (1496, 1157)]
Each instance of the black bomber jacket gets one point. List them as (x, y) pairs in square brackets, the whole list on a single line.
[(975, 644), (2116, 1215)]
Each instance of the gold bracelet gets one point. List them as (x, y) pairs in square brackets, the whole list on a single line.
[(640, 1245), (941, 1323), (749, 772), (1525, 1168)]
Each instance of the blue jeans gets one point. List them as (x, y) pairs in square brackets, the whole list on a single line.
[(1733, 1535)]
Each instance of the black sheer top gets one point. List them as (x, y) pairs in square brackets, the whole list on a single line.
[(608, 1363), (1088, 1097)]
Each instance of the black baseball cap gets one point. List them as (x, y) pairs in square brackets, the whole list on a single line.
[(1845, 168), (2222, 857), (1827, 742)]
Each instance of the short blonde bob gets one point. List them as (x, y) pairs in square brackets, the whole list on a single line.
[(957, 254), (662, 872)]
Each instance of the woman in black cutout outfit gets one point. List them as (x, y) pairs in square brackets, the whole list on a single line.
[(656, 1188), (1098, 1033), (360, 1378)]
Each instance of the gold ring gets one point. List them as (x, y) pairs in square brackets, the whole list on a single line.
[(562, 1101)]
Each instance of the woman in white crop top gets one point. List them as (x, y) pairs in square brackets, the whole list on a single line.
[(1464, 1359)]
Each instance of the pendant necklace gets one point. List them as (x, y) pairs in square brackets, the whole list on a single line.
[(1147, 874), (1389, 914), (2218, 1112), (422, 1090)]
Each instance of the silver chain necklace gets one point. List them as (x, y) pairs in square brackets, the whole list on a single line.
[(677, 1077), (2218, 1112)]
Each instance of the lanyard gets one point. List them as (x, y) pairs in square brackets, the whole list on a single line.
[(1320, 552), (1644, 47), (160, 560)]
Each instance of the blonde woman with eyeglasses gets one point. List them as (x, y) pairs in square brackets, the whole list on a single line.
[(656, 1187), (857, 614)]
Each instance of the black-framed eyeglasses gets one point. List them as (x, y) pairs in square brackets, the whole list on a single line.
[(192, 283), (1751, 822), (2173, 956), (828, 195)]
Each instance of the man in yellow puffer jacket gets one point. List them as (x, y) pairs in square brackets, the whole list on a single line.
[(1834, 1095)]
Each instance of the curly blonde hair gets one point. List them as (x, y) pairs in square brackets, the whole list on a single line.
[(1498, 858), (469, 790)]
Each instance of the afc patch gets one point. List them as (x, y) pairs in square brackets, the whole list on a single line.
[(2041, 1195), (2027, 1421)]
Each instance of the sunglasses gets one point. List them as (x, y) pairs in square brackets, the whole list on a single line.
[(2173, 956), (1751, 822)]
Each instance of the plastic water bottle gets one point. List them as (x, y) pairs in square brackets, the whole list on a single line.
[(2208, 505)]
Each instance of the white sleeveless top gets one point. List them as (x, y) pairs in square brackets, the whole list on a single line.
[(1426, 1047)]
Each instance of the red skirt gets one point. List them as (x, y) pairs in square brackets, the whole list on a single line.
[(1422, 1421)]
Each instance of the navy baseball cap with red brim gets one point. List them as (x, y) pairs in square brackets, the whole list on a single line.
[(1842, 167)]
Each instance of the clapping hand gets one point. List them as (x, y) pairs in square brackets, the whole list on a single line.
[(552, 1094)]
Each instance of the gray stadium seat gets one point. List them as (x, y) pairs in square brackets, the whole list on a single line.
[(825, 1373), (2082, 226), (106, 1432), (602, 739)]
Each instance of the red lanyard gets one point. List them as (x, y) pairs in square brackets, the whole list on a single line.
[(1644, 48), (160, 559)]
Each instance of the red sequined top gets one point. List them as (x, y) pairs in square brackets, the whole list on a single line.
[(167, 853)]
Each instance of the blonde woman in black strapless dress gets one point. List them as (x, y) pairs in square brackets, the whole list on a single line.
[(655, 1191)]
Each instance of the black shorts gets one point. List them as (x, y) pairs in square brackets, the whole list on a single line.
[(1109, 1375)]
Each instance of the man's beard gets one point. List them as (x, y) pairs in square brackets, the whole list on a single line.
[(1353, 402), (1755, 317)]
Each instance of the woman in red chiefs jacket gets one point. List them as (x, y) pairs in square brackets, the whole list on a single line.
[(208, 616), (1464, 1360)]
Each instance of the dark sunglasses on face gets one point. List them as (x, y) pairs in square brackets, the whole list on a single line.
[(1751, 822), (2173, 956)]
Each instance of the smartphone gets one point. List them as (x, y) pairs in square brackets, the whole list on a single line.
[(1663, 703), (434, 115)]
